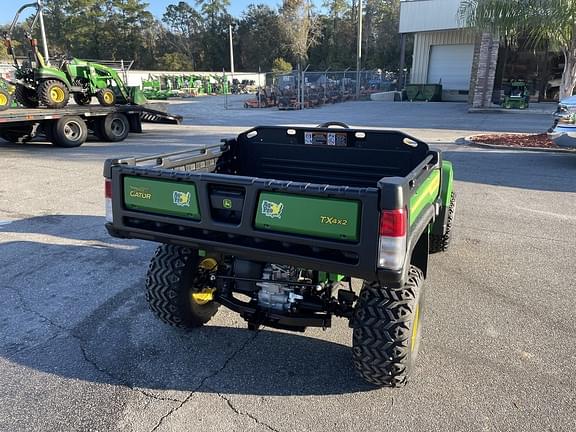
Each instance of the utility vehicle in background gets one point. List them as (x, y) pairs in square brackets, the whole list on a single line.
[(275, 223)]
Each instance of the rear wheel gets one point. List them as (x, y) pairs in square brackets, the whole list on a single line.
[(114, 127), (69, 131), (5, 100), (440, 243), (387, 330), (178, 286), (106, 97), (53, 94), (26, 97)]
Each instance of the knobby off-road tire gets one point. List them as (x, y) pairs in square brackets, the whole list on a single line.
[(53, 94), (26, 97), (386, 331), (106, 97), (170, 284), (5, 100), (440, 243)]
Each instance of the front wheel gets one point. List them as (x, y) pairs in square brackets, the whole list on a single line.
[(5, 100), (178, 287), (106, 97), (387, 330)]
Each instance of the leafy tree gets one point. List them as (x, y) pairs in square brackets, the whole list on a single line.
[(185, 25), (175, 61), (280, 65), (215, 36), (258, 37), (300, 28), (543, 21)]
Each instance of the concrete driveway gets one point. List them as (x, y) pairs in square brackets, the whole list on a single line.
[(79, 350)]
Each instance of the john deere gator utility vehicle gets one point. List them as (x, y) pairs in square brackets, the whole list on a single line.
[(39, 83), (275, 223)]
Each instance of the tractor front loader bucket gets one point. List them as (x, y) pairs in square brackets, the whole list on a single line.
[(136, 96)]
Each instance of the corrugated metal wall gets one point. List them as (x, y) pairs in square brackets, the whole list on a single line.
[(422, 43)]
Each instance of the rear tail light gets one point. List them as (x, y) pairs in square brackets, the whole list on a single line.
[(108, 199), (392, 241)]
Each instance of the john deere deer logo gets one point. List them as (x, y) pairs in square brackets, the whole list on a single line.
[(181, 199), (272, 209)]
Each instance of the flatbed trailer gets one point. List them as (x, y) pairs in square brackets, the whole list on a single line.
[(69, 127)]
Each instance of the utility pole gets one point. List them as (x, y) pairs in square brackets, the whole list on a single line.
[(231, 53), (359, 50)]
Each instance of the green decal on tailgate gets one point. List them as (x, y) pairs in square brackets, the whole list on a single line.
[(318, 217), (161, 196)]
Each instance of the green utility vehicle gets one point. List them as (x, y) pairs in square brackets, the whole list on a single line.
[(39, 83), (519, 97), (275, 223)]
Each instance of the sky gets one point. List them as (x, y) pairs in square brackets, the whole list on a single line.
[(157, 7)]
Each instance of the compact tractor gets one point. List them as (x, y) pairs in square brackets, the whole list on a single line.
[(39, 83)]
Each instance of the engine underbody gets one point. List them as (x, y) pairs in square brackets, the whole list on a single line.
[(282, 296)]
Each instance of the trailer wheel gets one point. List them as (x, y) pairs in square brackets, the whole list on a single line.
[(82, 99), (26, 97), (386, 331), (177, 286), (113, 128), (440, 243), (53, 94), (5, 100), (106, 97), (70, 131)]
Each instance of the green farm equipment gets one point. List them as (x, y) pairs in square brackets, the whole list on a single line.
[(152, 89), (275, 224), (518, 97), (6, 95), (40, 83)]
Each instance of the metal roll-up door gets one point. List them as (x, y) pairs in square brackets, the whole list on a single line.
[(451, 66)]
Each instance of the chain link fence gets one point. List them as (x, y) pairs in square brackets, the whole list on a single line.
[(306, 89)]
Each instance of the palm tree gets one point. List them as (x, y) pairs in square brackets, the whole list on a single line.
[(551, 21)]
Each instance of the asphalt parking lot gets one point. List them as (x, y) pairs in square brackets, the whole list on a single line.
[(79, 350)]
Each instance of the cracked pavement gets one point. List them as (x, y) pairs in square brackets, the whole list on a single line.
[(79, 350)]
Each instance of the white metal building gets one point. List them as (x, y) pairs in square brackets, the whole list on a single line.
[(443, 50)]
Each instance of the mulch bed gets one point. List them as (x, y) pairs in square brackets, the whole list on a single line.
[(516, 140)]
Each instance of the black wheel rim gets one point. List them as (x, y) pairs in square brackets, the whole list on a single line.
[(117, 127)]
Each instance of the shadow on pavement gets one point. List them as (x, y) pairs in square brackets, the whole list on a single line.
[(517, 169), (74, 306), (148, 143)]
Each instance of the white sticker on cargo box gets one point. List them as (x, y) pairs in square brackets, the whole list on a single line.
[(331, 139), (307, 137)]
